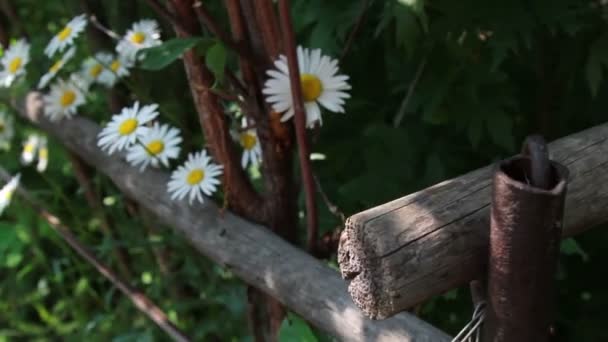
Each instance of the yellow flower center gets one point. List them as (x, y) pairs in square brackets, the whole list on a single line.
[(155, 147), (14, 65), (43, 153), (29, 148), (195, 176), (115, 65), (67, 98), (138, 38), (7, 196), (95, 70), (128, 126), (311, 87), (55, 67), (248, 140), (64, 34)]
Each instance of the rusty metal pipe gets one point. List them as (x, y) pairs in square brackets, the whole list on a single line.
[(526, 223)]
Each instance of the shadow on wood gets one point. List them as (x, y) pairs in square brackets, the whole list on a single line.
[(403, 252)]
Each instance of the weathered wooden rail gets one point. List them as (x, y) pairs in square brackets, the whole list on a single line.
[(401, 253), (252, 252)]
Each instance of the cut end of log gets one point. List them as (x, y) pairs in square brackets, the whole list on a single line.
[(351, 258), (350, 265)]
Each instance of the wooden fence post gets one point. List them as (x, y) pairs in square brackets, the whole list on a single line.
[(528, 198)]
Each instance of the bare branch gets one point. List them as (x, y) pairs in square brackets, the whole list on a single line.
[(138, 298), (365, 5), (300, 123), (84, 179), (330, 205), (403, 107), (100, 27)]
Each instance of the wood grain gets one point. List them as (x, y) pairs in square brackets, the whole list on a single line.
[(252, 252), (401, 253)]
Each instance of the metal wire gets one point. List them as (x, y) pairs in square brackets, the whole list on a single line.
[(472, 330)]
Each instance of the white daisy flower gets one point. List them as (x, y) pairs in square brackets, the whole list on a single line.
[(6, 130), (115, 67), (127, 127), (92, 67), (29, 149), (81, 81), (160, 144), (14, 61), (252, 151), (6, 194), (320, 86), (43, 155), (199, 175), (54, 69), (63, 100), (143, 34), (66, 36)]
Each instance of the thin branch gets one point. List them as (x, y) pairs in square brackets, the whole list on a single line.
[(365, 5), (269, 27), (330, 205), (84, 179), (403, 107), (224, 95), (139, 299), (236, 84), (239, 32), (300, 123), (100, 27)]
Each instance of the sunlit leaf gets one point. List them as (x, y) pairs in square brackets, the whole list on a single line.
[(294, 329), (215, 58)]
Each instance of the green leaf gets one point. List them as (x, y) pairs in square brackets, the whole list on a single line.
[(294, 329), (13, 259), (159, 57), (216, 61), (8, 237), (571, 247)]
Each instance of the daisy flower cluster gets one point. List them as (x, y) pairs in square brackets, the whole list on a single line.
[(135, 133), (35, 146), (67, 94), (146, 142)]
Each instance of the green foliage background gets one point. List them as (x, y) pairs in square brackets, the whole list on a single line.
[(491, 73)]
